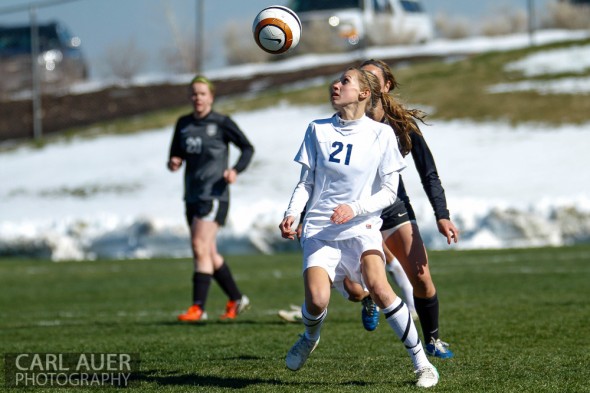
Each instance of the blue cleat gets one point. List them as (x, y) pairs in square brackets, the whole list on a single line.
[(299, 352), (370, 314), (439, 349)]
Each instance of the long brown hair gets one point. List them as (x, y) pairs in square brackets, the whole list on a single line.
[(401, 119), (371, 82)]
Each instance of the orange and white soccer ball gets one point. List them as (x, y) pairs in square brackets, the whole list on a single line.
[(276, 29)]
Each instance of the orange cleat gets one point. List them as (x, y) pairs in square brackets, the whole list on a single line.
[(194, 314), (235, 307)]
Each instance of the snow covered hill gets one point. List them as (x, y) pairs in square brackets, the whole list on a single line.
[(112, 197)]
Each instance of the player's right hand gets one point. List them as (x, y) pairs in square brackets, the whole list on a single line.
[(174, 163), (285, 227)]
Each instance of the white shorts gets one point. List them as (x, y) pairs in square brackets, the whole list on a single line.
[(341, 258)]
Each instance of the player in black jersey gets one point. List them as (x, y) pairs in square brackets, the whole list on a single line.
[(201, 140), (400, 231)]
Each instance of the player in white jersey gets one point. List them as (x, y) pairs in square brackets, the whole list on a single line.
[(350, 172)]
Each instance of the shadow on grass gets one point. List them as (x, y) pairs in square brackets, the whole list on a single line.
[(17, 326), (153, 376), (219, 323)]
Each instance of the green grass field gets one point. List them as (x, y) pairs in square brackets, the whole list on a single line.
[(518, 321)]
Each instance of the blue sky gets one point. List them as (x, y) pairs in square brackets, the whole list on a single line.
[(104, 23)]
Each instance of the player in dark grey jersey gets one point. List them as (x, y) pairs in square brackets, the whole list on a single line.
[(201, 140)]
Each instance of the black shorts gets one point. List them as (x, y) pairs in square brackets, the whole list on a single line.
[(209, 210), (397, 214)]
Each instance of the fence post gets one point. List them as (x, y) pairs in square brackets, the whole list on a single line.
[(531, 7), (200, 28), (36, 82)]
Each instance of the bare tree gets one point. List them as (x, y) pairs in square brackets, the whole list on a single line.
[(181, 56)]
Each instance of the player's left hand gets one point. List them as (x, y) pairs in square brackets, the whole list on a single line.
[(342, 214), (448, 229), (230, 176)]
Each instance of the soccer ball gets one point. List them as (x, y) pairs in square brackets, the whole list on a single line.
[(276, 29)]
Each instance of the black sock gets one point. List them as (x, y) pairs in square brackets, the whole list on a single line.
[(427, 310), (226, 281), (201, 283)]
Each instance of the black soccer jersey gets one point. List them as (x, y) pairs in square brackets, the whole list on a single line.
[(203, 144), (431, 183), (426, 168)]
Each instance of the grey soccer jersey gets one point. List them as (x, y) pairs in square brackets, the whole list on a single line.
[(353, 162), (203, 144)]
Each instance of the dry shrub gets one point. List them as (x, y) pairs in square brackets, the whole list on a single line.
[(505, 21), (241, 48), (452, 27), (124, 60), (563, 15)]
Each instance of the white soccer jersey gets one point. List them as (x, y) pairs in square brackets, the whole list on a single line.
[(354, 162)]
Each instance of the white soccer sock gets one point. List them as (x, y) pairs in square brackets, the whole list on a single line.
[(399, 318), (400, 278), (313, 323)]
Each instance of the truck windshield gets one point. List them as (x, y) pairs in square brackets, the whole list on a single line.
[(412, 6), (320, 5), (17, 40)]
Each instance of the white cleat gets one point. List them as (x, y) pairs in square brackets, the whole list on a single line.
[(427, 376), (298, 354), (293, 315)]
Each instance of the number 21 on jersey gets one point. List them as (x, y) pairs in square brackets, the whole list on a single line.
[(337, 153)]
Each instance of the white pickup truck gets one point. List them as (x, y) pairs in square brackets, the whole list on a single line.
[(348, 24)]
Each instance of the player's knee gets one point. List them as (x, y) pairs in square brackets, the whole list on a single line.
[(423, 287), (201, 247), (316, 306)]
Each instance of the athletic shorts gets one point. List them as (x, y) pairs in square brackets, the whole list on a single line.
[(341, 258), (396, 215), (210, 210)]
